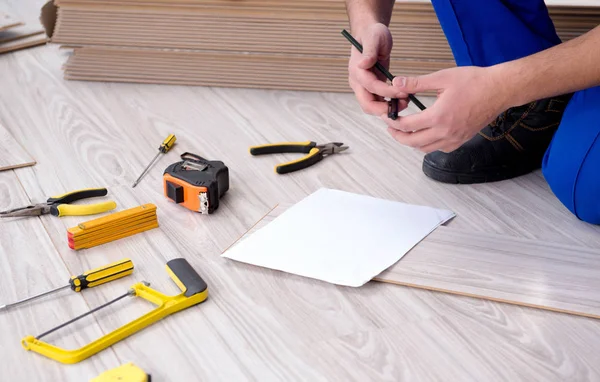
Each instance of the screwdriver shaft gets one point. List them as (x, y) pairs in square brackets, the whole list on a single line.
[(380, 67), (33, 297), (146, 170), (129, 293)]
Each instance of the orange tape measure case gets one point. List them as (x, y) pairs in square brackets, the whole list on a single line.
[(196, 183)]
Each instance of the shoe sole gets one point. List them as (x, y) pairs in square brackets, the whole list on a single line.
[(445, 176)]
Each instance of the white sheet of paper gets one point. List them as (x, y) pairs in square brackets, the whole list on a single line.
[(339, 237)]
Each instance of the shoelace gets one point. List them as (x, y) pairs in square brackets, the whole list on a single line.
[(496, 126)]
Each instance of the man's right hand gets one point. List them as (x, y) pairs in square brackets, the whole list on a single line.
[(368, 84)]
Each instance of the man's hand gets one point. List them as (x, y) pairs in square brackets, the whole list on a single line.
[(468, 99), (368, 84)]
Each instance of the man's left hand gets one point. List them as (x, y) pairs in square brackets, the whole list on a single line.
[(469, 98)]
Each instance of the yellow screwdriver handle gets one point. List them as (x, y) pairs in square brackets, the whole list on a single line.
[(83, 209), (101, 275), (167, 143)]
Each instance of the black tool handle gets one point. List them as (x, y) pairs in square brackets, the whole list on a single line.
[(101, 275), (393, 109), (284, 147), (380, 67), (186, 277), (314, 156), (78, 195)]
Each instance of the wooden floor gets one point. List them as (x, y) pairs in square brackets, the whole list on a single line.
[(258, 324), (12, 155)]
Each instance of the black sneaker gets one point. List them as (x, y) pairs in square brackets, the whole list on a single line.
[(513, 145)]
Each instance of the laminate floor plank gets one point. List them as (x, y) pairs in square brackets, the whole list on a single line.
[(539, 274), (466, 349), (12, 155), (548, 275)]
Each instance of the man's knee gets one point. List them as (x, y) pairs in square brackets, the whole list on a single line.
[(576, 183)]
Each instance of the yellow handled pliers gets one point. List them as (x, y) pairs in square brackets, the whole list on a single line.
[(59, 205), (315, 153)]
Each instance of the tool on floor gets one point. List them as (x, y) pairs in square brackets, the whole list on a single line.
[(315, 153), (193, 291), (163, 149), (60, 205), (125, 373), (112, 227), (89, 279), (385, 72), (196, 183)]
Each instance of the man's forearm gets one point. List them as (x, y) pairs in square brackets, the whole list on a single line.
[(363, 13), (565, 68)]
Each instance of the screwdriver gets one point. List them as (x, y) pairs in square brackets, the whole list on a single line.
[(164, 147), (88, 279)]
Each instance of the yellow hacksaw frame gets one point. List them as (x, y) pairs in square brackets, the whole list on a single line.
[(193, 291)]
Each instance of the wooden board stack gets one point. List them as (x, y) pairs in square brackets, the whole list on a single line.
[(273, 44), (112, 227)]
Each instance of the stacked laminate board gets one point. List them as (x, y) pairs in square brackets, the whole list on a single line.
[(277, 44), (17, 35)]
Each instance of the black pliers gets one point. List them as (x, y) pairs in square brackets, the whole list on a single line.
[(315, 153)]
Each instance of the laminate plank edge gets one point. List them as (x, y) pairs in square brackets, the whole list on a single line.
[(12, 154), (518, 271)]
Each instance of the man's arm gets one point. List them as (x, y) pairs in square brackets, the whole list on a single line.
[(565, 68), (369, 20), (363, 13)]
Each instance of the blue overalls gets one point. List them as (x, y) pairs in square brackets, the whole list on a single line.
[(488, 32)]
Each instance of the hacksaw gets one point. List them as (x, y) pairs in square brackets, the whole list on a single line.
[(193, 291)]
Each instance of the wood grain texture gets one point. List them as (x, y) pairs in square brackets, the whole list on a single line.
[(259, 324), (526, 272), (29, 264), (12, 154)]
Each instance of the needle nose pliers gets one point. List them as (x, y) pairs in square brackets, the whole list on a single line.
[(59, 205), (315, 153)]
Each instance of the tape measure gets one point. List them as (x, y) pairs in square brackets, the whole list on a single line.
[(196, 183), (124, 373)]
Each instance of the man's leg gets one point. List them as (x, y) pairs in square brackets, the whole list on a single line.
[(572, 163), (484, 33)]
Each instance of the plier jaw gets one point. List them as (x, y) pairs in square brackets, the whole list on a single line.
[(332, 148), (60, 205), (315, 153), (32, 210)]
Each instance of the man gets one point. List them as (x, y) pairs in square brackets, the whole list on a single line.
[(518, 100)]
